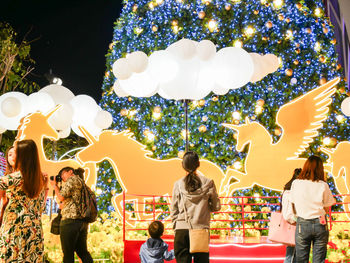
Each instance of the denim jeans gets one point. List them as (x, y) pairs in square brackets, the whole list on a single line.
[(73, 234), (182, 249), (290, 255), (310, 231)]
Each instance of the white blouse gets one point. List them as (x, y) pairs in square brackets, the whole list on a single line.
[(310, 198), (287, 209)]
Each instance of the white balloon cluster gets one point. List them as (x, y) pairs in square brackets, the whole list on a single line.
[(189, 70), (345, 106), (75, 110)]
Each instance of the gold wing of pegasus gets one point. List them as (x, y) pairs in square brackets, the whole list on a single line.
[(301, 118)]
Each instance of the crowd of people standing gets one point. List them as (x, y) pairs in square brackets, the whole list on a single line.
[(23, 191)]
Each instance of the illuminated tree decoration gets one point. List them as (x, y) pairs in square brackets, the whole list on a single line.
[(295, 31)]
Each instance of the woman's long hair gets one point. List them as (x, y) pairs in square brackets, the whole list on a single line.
[(79, 171), (295, 176), (190, 163), (313, 169), (9, 168), (27, 162)]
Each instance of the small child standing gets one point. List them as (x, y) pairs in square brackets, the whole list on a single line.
[(155, 250)]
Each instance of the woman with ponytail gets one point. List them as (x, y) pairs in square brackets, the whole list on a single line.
[(73, 229), (194, 197), (21, 235)]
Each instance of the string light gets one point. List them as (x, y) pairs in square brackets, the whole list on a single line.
[(249, 31), (236, 115), (277, 3), (212, 25), (237, 165), (238, 43), (326, 141), (318, 12), (317, 47)]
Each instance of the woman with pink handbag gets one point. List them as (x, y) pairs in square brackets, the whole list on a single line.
[(312, 198), (288, 214)]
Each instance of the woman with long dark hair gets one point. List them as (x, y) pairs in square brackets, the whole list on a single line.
[(21, 237), (288, 213), (10, 163), (312, 199), (194, 197)]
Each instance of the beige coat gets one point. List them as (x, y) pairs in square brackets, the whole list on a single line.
[(199, 204)]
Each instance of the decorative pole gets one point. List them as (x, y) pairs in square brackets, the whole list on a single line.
[(186, 123)]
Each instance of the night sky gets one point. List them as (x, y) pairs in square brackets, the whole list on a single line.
[(69, 37)]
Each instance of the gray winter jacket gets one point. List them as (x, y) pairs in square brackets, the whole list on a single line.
[(199, 204)]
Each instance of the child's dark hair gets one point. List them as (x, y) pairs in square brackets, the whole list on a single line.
[(295, 176), (79, 171), (156, 229)]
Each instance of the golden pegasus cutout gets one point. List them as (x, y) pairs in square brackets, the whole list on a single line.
[(35, 126), (267, 164), (271, 164), (136, 172), (339, 163)]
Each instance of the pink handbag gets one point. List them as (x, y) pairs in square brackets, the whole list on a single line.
[(280, 231)]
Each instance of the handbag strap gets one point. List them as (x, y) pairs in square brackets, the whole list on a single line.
[(184, 206), (281, 202)]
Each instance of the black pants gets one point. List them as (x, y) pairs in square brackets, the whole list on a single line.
[(182, 249), (73, 234)]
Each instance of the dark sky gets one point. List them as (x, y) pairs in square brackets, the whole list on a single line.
[(72, 38)]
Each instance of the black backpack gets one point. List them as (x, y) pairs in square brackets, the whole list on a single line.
[(88, 204)]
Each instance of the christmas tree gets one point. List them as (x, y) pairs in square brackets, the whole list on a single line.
[(298, 32)]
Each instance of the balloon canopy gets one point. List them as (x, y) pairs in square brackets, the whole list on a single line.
[(189, 69)]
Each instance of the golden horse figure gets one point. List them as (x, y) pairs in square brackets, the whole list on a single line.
[(35, 126), (339, 163), (271, 164), (136, 172)]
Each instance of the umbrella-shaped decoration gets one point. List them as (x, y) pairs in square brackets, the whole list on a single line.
[(189, 70)]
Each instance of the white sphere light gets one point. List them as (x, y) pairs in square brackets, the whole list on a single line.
[(345, 106), (271, 63), (64, 133), (121, 69), (103, 119), (234, 67), (219, 90), (62, 118), (84, 108), (16, 108), (140, 85), (40, 101), (259, 70), (119, 90), (137, 61), (11, 107), (163, 66), (58, 93), (185, 48), (206, 50)]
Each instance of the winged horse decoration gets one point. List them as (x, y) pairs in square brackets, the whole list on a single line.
[(271, 164)]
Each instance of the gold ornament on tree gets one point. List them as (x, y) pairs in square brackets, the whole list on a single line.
[(289, 72), (201, 14)]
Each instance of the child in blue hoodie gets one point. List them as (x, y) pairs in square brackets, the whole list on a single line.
[(155, 250)]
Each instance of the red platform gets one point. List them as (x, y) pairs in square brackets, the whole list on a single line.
[(236, 249)]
